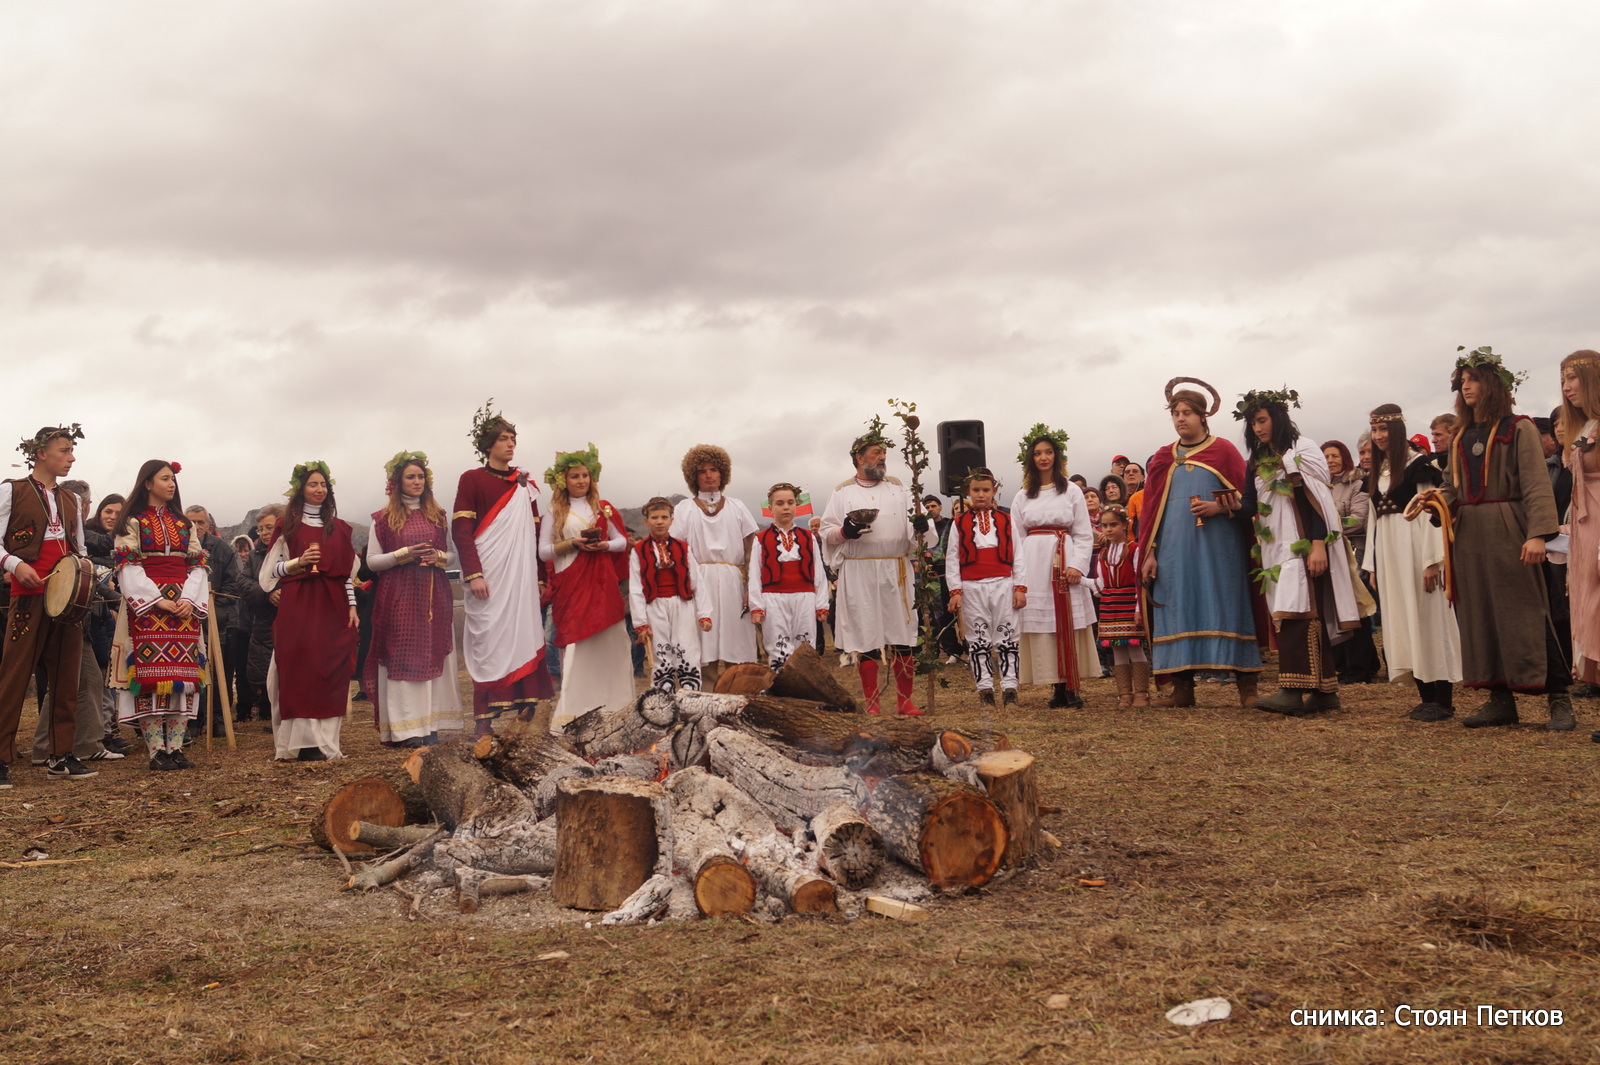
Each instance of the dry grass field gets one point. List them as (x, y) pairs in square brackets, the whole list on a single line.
[(1354, 861)]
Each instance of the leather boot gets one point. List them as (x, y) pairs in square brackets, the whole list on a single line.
[(905, 678), (1501, 709), (868, 668), (1140, 682), (1248, 685), (986, 698), (1283, 701), (1560, 713), (1178, 692), (1122, 672), (1318, 702), (1058, 697)]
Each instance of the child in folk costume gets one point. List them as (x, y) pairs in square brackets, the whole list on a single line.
[(1304, 566), (668, 601), (1419, 631), (978, 568), (788, 587), (158, 656), (1114, 578)]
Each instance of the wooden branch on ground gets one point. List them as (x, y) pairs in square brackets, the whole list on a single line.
[(473, 884), (382, 838), (520, 849), (377, 876)]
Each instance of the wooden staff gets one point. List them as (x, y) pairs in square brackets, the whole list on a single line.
[(215, 641)]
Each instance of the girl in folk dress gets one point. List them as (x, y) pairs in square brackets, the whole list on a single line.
[(586, 541), (411, 666), (1054, 543), (668, 601), (158, 653), (1579, 432), (316, 629), (1419, 625), (788, 585), (1115, 580)]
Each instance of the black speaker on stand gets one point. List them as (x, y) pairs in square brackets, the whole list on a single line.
[(960, 452)]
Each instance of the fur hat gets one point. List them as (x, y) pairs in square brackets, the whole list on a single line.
[(706, 455)]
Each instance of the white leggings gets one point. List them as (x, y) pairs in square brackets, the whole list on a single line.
[(1126, 656)]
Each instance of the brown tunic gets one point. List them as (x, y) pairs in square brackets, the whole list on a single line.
[(1501, 605)]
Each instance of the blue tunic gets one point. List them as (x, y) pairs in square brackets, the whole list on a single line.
[(1203, 620)]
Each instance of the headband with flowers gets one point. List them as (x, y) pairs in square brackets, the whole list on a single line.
[(297, 479)]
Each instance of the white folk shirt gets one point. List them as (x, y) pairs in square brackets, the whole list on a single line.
[(877, 585)]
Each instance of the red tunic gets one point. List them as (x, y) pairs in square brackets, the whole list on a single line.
[(587, 597), (480, 494), (312, 639), (412, 613), (664, 582), (799, 575)]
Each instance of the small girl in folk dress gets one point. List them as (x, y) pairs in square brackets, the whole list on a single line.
[(1114, 577), (158, 656)]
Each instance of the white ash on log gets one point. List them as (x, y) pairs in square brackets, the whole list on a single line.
[(723, 887), (549, 789), (790, 793), (612, 834), (647, 902), (856, 739), (388, 837), (848, 848), (459, 789), (804, 676), (521, 757), (635, 727), (376, 876), (473, 884), (521, 849), (1009, 779), (787, 877), (950, 831), (652, 767)]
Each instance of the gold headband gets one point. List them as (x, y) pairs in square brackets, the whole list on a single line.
[(1375, 419)]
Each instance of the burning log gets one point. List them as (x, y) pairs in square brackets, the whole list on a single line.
[(642, 766), (635, 727), (746, 678), (790, 793), (525, 848), (723, 887), (522, 757), (950, 831), (612, 834), (848, 849), (804, 676), (388, 837), (809, 726), (473, 884), (371, 799), (1012, 785), (459, 789)]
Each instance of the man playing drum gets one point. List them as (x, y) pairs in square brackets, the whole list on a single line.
[(42, 524)]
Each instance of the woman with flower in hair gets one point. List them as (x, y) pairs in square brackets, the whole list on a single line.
[(1304, 568), (1578, 430), (1053, 542), (316, 630), (411, 665), (587, 544), (1498, 489), (158, 653)]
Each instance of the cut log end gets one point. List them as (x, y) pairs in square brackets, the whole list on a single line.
[(963, 841), (371, 799), (815, 896), (724, 888)]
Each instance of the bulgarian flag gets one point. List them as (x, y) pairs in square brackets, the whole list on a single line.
[(802, 507)]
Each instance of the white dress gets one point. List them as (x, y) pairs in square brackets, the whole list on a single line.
[(414, 709), (1036, 556), (876, 593), (717, 544), (596, 673), (1420, 637)]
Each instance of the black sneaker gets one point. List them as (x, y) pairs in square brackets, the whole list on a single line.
[(69, 768), (105, 754), (113, 742), (5, 777), (161, 762), (180, 760)]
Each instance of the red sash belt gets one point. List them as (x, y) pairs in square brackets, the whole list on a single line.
[(166, 569), (1061, 597)]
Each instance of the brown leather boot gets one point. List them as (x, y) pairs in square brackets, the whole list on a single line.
[(1247, 689), (1141, 684), (1178, 692), (1122, 672)]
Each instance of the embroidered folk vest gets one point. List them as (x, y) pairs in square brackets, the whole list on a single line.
[(664, 581), (29, 520), (772, 569)]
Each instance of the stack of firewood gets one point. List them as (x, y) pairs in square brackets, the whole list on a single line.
[(786, 800)]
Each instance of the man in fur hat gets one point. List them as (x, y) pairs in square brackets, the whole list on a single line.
[(719, 530), (867, 538)]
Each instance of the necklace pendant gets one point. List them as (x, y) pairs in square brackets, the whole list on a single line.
[(1477, 448)]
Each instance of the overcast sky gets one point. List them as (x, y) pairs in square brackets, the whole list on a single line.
[(241, 235)]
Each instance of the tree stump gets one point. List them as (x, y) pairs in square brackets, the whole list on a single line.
[(746, 678), (950, 831), (848, 849), (804, 676), (1012, 784), (607, 840), (370, 799), (522, 757), (790, 793)]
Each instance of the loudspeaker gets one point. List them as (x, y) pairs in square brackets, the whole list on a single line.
[(960, 452)]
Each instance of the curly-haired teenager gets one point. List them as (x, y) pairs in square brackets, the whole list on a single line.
[(719, 530)]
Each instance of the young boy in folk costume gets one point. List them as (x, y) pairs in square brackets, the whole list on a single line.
[(1499, 492), (668, 601), (978, 569), (41, 525), (1114, 578), (1304, 567), (495, 526), (788, 587)]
